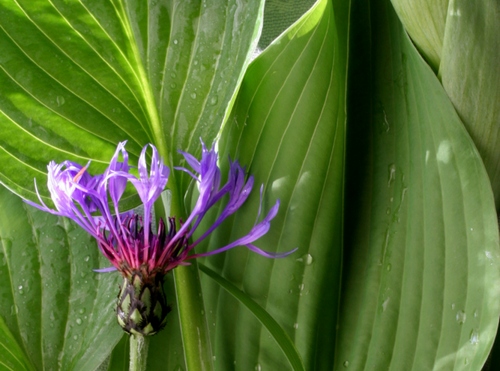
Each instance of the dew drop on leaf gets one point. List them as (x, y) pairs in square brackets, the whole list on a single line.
[(474, 337), (461, 317), (392, 174), (307, 259), (385, 303)]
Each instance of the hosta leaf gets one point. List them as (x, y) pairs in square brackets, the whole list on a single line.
[(288, 128), (119, 360), (422, 281), (267, 321), (11, 354), (471, 76), (58, 310), (425, 21), (77, 77), (460, 40)]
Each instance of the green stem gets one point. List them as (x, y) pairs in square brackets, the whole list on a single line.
[(193, 323), (138, 352)]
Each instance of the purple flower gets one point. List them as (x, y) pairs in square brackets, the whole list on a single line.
[(126, 238)]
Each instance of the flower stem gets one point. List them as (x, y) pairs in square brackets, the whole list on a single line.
[(138, 352), (194, 328)]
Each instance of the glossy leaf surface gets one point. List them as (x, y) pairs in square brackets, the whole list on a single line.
[(288, 127), (78, 77), (460, 40), (422, 251), (60, 312)]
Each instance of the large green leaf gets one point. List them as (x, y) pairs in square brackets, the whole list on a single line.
[(276, 331), (58, 310), (77, 77), (421, 287), (12, 356), (460, 40), (288, 127), (425, 21), (472, 79)]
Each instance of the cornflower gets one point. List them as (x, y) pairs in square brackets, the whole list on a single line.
[(127, 239)]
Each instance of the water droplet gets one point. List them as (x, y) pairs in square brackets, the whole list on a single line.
[(195, 62), (389, 267), (173, 85), (290, 291), (14, 309), (193, 95), (476, 313), (403, 193), (75, 337), (392, 174), (453, 306), (87, 258), (176, 42), (60, 100), (295, 325), (258, 367), (301, 287), (307, 259), (20, 287), (474, 337), (385, 303), (466, 361), (461, 317), (489, 256), (214, 100), (79, 321), (346, 364), (388, 211), (81, 310)]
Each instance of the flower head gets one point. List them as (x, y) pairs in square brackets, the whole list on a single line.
[(127, 239)]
